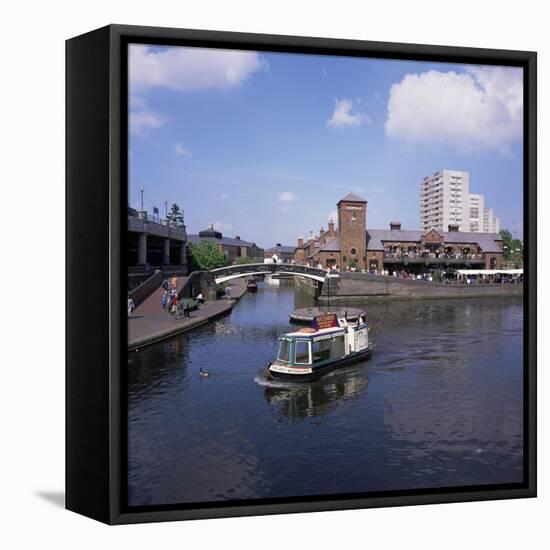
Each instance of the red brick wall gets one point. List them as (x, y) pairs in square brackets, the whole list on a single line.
[(352, 223)]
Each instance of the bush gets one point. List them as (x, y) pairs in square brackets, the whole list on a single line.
[(193, 304)]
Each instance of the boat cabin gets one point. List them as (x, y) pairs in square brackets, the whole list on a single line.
[(299, 348)]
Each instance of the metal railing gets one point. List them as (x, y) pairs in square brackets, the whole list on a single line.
[(243, 269)]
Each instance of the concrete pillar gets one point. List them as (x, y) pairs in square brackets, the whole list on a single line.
[(166, 252), (142, 249), (183, 254)]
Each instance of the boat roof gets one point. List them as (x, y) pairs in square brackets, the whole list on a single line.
[(312, 333)]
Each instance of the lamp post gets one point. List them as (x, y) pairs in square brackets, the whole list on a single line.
[(141, 191), (165, 209)]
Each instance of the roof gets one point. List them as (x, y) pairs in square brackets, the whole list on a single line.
[(352, 197), (486, 241), (223, 240), (210, 233), (281, 249), (314, 251), (332, 245)]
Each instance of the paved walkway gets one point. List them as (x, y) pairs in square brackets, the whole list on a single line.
[(149, 324)]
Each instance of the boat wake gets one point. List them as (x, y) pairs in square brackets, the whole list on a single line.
[(262, 380)]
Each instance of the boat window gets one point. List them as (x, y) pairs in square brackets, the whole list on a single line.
[(284, 351), (338, 349), (302, 352), (320, 351)]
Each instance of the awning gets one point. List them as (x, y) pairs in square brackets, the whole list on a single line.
[(489, 271)]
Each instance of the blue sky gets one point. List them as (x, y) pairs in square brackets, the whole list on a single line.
[(263, 145)]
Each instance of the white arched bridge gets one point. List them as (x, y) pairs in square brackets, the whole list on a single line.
[(223, 274)]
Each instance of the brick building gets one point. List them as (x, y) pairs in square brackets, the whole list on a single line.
[(352, 245), (285, 253), (232, 247)]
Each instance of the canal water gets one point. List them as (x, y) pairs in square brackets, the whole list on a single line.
[(438, 405)]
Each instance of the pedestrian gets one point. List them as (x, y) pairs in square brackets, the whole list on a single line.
[(131, 306), (173, 294), (186, 311), (200, 298), (164, 299), (228, 292), (165, 284)]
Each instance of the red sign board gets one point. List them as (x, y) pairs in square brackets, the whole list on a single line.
[(327, 320)]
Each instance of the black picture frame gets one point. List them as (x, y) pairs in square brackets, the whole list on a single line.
[(96, 218)]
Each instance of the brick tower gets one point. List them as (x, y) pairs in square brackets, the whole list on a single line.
[(352, 226)]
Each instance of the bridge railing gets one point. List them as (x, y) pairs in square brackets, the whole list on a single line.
[(243, 269)]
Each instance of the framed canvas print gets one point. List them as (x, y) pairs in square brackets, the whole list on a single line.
[(301, 274)]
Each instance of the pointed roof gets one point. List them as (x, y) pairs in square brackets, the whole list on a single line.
[(352, 197)]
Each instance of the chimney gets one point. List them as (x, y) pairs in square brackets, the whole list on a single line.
[(311, 238), (300, 242), (453, 227), (331, 227), (395, 226)]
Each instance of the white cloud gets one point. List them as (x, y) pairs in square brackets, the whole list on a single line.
[(287, 196), (182, 151), (344, 115), (140, 121), (141, 118), (180, 68), (479, 109)]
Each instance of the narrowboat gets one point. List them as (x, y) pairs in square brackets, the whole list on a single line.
[(251, 285), (311, 352)]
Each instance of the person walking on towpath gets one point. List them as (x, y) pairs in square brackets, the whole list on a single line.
[(131, 306), (186, 310), (228, 292), (164, 299)]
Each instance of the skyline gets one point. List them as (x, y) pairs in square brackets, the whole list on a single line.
[(273, 141)]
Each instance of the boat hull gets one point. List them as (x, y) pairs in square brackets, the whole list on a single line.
[(319, 372)]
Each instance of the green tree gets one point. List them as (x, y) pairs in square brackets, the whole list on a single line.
[(175, 216), (241, 260), (205, 256), (512, 249), (506, 237)]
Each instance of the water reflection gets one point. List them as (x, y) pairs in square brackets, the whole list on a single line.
[(294, 402)]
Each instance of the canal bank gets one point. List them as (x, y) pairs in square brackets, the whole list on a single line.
[(148, 325), (364, 287)]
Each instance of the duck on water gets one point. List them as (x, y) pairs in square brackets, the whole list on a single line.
[(310, 353)]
